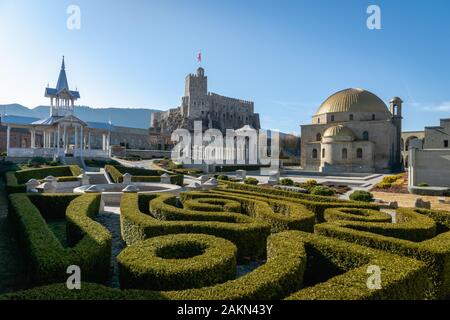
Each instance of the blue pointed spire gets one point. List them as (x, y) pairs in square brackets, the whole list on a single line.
[(62, 79)]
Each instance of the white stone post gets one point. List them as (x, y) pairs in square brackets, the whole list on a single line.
[(81, 141), (65, 138), (165, 178), (127, 178), (8, 137), (103, 141)]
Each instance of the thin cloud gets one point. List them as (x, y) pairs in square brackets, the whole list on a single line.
[(442, 107)]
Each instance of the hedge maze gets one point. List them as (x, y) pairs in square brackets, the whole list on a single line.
[(309, 247)]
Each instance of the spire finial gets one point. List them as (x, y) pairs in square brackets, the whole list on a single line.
[(63, 66)]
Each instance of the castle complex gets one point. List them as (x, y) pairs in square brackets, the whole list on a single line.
[(197, 104)]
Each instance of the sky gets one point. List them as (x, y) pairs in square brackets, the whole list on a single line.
[(286, 56)]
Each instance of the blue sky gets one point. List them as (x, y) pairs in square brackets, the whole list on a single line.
[(287, 56)]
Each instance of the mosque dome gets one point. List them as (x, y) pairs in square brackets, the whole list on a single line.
[(339, 133), (353, 101)]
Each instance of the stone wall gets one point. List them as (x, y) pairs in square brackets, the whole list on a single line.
[(429, 166)]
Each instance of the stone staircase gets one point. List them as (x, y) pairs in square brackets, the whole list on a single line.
[(74, 161)]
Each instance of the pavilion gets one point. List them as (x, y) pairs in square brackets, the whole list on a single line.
[(62, 133)]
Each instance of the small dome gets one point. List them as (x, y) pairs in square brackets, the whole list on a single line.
[(339, 133), (352, 100)]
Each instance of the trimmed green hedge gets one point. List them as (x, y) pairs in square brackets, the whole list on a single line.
[(433, 250), (47, 259), (365, 215), (15, 181), (280, 276), (281, 215), (299, 266), (116, 173), (175, 262), (138, 222), (316, 204), (341, 270)]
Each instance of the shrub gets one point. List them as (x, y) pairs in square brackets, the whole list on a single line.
[(287, 182), (140, 175), (413, 236), (138, 222), (222, 177), (36, 162), (361, 195), (384, 185), (293, 258), (175, 262), (251, 181), (423, 184), (322, 191), (47, 260), (54, 163)]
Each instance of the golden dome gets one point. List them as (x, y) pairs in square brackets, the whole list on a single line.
[(352, 100), (339, 132)]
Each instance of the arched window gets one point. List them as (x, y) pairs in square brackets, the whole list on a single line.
[(351, 117), (314, 153), (323, 153), (359, 153), (365, 135), (318, 120), (318, 137), (373, 117), (344, 154), (332, 118)]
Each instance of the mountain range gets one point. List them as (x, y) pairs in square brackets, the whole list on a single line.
[(127, 117)]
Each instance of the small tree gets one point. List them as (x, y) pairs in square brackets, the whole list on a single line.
[(361, 195)]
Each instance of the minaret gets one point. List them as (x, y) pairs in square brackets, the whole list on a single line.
[(395, 106)]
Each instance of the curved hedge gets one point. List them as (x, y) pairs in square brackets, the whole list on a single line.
[(139, 222), (181, 261), (427, 242), (281, 215), (352, 214), (116, 173), (15, 181), (340, 268), (47, 259)]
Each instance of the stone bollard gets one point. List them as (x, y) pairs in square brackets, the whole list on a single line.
[(393, 205), (52, 180), (127, 178), (210, 184), (47, 187), (274, 178), (241, 174), (93, 189), (203, 179), (193, 186), (131, 188), (165, 178), (32, 184), (419, 203), (84, 179)]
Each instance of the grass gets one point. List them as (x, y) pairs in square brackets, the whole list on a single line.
[(58, 227)]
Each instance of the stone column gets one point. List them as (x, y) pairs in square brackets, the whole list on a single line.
[(89, 140), (103, 142), (8, 137), (76, 139), (57, 141), (81, 141), (65, 138)]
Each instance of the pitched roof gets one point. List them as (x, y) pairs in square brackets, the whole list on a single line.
[(62, 85)]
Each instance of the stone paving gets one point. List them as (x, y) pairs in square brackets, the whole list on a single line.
[(110, 219), (12, 266)]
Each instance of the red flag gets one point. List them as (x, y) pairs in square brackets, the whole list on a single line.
[(199, 57)]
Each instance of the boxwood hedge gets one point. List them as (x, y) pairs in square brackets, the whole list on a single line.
[(15, 181), (281, 215), (47, 259), (420, 239), (175, 262), (139, 222), (299, 266), (116, 173)]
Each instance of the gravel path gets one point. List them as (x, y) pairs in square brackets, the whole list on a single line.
[(110, 219)]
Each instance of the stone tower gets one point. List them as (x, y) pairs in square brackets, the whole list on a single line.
[(195, 94), (395, 106)]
